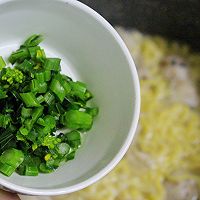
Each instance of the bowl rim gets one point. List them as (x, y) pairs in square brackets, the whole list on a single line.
[(132, 130)]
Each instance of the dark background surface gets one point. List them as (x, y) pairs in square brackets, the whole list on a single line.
[(174, 19)]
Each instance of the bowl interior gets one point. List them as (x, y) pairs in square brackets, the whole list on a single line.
[(89, 53)]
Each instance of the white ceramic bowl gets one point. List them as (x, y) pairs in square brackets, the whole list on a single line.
[(92, 51)]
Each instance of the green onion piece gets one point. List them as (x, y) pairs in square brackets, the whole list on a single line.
[(26, 112), (33, 40), (63, 82), (2, 63), (53, 163), (77, 120), (75, 144), (58, 89), (78, 89), (50, 121), (66, 78), (40, 99), (88, 95), (6, 169), (39, 77), (74, 139), (21, 169), (33, 51), (47, 75), (59, 108), (92, 111), (30, 167), (29, 99), (11, 157), (31, 170), (37, 112), (19, 56), (62, 148), (52, 64), (43, 76), (75, 106), (71, 155), (40, 55), (66, 86), (38, 87), (49, 98), (73, 135), (44, 169), (26, 66)]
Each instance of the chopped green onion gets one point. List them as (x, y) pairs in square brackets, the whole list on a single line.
[(58, 89), (26, 112), (88, 95), (66, 86), (49, 98), (59, 108), (19, 56), (40, 99), (31, 170), (74, 139), (92, 111), (32, 41), (28, 167), (38, 87), (52, 64), (26, 65), (40, 55), (10, 160), (44, 169), (77, 120), (33, 51), (6, 169), (71, 155), (43, 76), (73, 135), (29, 99), (50, 121), (63, 148), (37, 112), (36, 102), (2, 63), (78, 89)]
